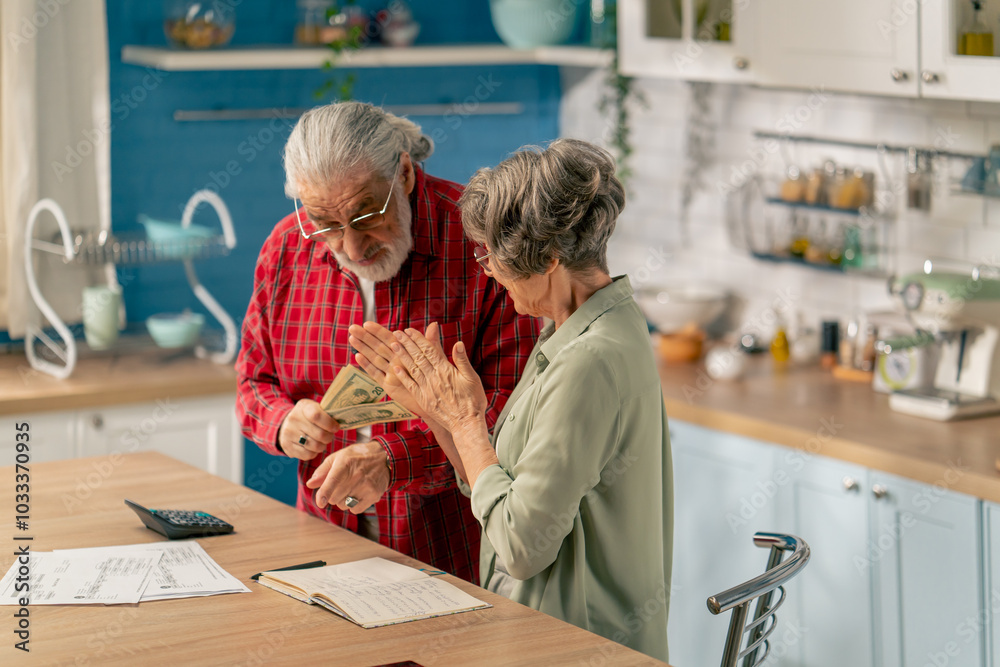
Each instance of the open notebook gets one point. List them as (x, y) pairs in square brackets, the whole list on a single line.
[(373, 592)]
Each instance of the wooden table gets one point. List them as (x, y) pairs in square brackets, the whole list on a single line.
[(78, 503)]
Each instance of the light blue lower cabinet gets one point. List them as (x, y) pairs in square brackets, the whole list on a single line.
[(902, 573), (723, 494), (929, 593), (828, 618), (991, 587)]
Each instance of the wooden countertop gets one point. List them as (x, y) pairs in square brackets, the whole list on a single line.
[(807, 409), (127, 377), (263, 626)]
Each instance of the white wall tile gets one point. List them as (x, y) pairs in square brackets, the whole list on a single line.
[(984, 246), (957, 227)]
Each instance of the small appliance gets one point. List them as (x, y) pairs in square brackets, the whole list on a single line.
[(960, 314)]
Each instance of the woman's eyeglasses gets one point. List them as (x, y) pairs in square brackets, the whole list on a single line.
[(362, 223), (482, 256)]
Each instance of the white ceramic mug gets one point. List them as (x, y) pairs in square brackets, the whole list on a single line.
[(100, 316)]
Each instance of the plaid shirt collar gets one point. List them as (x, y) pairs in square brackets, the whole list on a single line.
[(425, 236)]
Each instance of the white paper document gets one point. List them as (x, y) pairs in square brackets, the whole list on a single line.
[(185, 570), (75, 578)]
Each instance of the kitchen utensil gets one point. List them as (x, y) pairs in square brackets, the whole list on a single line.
[(172, 330), (191, 24), (918, 180), (100, 316), (671, 309)]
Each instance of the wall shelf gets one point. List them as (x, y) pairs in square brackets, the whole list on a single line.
[(293, 57)]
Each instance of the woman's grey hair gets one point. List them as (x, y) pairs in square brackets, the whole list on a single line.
[(561, 202), (334, 140)]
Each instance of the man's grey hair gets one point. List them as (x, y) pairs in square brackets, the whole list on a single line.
[(561, 202), (335, 140)]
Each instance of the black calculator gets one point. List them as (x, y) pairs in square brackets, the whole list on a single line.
[(177, 524)]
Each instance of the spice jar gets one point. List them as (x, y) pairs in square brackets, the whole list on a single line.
[(793, 189), (815, 191)]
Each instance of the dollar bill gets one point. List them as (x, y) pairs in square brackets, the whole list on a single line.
[(352, 399), (358, 416), (352, 386)]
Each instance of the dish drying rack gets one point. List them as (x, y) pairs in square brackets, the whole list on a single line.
[(102, 248)]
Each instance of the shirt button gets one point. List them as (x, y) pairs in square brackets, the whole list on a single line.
[(540, 357), (511, 418)]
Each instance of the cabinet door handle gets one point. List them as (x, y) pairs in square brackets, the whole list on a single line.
[(898, 75), (97, 421), (879, 491), (739, 62), (930, 77), (851, 484)]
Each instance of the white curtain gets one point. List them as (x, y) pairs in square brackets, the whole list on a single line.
[(55, 124)]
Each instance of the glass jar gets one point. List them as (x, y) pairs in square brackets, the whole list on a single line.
[(189, 24)]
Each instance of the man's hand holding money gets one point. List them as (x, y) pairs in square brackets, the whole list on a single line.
[(306, 431)]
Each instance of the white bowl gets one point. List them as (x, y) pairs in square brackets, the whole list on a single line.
[(673, 308)]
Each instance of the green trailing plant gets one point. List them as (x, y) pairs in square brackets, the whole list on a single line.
[(340, 87), (619, 95)]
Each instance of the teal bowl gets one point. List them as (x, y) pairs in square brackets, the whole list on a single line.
[(526, 24), (172, 330)]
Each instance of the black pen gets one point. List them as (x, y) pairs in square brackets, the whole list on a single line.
[(303, 566)]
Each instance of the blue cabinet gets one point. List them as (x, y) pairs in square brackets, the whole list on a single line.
[(829, 621), (928, 552), (723, 494)]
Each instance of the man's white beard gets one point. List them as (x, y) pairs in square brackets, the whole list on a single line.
[(396, 251)]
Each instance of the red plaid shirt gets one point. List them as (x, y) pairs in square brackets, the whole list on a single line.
[(295, 342)]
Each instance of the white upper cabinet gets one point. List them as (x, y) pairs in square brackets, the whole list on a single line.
[(701, 40), (902, 48), (945, 73), (863, 46)]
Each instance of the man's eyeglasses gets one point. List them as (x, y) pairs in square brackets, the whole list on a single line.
[(362, 223), (482, 256)]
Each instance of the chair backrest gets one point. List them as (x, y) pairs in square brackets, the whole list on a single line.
[(760, 588)]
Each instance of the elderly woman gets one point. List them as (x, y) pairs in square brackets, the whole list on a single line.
[(574, 490)]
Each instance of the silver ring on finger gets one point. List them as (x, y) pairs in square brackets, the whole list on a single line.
[(303, 440), (351, 501)]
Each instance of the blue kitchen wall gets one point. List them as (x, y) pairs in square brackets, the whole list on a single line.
[(157, 163)]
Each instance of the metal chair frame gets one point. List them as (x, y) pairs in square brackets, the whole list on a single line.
[(761, 589)]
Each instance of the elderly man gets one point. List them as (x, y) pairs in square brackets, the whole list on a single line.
[(375, 238)]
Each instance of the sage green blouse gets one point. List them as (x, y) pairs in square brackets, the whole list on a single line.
[(579, 510)]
